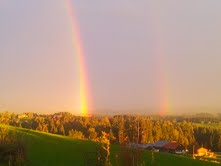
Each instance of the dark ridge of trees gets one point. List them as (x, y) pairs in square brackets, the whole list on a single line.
[(126, 128)]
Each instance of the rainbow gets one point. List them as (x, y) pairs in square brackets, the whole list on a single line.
[(162, 77), (162, 86), (79, 53)]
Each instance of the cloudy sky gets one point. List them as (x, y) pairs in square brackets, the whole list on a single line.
[(141, 55)]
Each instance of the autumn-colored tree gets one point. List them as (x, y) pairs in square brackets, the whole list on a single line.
[(104, 152), (92, 134), (76, 134)]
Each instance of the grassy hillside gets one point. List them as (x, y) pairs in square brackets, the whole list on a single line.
[(45, 149), (48, 149)]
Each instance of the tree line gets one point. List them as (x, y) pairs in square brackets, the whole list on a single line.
[(121, 129)]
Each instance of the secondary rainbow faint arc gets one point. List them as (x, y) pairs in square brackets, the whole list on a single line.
[(79, 52)]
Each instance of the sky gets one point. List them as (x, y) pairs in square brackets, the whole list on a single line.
[(149, 55)]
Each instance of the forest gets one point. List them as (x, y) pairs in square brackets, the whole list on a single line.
[(198, 130)]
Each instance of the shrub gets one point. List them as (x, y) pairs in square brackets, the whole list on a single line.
[(12, 148), (129, 156)]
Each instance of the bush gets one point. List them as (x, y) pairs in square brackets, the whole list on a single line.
[(12, 148), (76, 134), (129, 156)]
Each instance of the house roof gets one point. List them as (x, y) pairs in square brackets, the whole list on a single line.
[(160, 143), (157, 144), (171, 145)]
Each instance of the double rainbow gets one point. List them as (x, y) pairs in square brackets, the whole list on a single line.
[(163, 100)]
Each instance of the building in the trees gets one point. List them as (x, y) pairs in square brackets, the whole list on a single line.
[(164, 146), (157, 145), (174, 147), (202, 151)]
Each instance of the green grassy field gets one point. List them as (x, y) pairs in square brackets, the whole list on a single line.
[(45, 149)]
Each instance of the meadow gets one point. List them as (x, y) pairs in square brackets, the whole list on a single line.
[(49, 149)]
